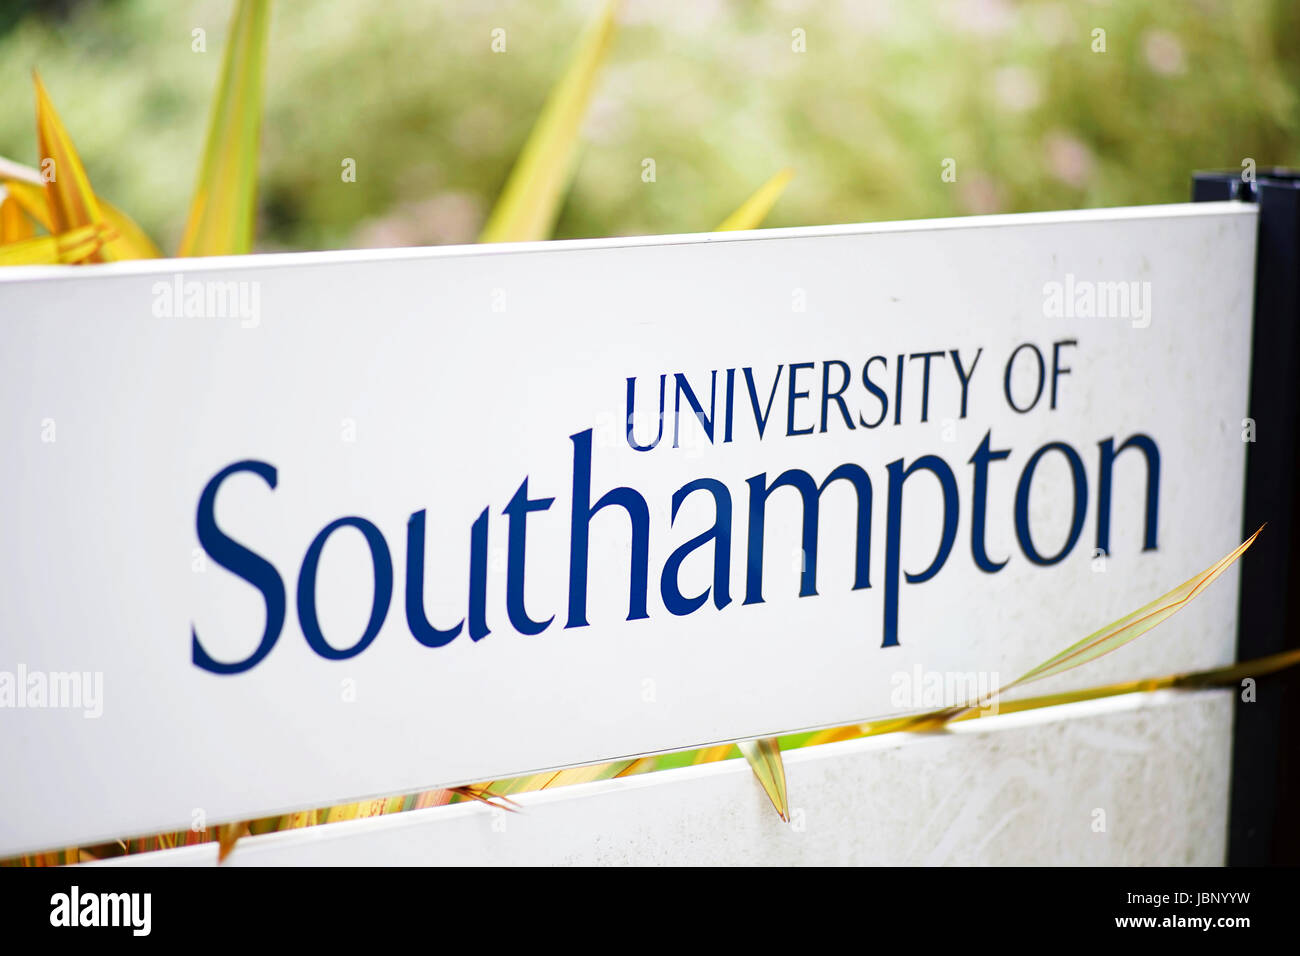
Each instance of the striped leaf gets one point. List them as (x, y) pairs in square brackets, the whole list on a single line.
[(30, 196), (131, 241), (1109, 638), (82, 244), (530, 202), (1116, 635), (713, 754), (588, 774), (764, 758), (223, 212), (71, 201), (15, 224), (228, 835), (754, 210)]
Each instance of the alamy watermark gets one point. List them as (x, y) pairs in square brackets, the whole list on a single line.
[(54, 690), (920, 689), (1086, 299), (133, 911), (181, 298)]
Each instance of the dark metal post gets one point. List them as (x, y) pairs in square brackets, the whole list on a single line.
[(1264, 817)]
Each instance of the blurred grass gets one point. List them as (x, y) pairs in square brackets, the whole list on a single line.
[(711, 90)]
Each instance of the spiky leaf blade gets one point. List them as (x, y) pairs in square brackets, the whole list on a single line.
[(132, 242), (82, 244), (15, 224), (764, 758), (30, 197), (530, 201), (222, 214), (228, 834), (71, 201), (1116, 635), (754, 210)]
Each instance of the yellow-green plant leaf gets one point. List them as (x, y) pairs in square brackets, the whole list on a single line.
[(754, 210), (344, 811), (395, 804), (30, 197), (606, 771), (1234, 673), (1227, 676), (223, 211), (1099, 642), (131, 241), (639, 765), (588, 774), (1116, 635), (554, 778), (63, 199), (71, 201), (295, 821), (15, 225), (530, 202), (488, 796), (228, 835), (431, 798), (262, 825), (712, 754), (372, 808), (834, 735), (764, 758), (510, 785), (67, 248)]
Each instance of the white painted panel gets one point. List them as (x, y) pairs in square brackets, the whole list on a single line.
[(1020, 789), (383, 385)]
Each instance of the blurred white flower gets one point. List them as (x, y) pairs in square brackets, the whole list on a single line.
[(480, 129), (685, 18), (1068, 159), (875, 15), (606, 117), (980, 194), (1016, 88), (1051, 23), (448, 218), (1164, 52), (983, 17)]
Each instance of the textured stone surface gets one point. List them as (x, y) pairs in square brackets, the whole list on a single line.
[(1014, 789)]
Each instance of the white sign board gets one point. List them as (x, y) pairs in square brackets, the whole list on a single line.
[(287, 531)]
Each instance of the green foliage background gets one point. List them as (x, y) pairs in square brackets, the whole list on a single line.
[(710, 89)]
